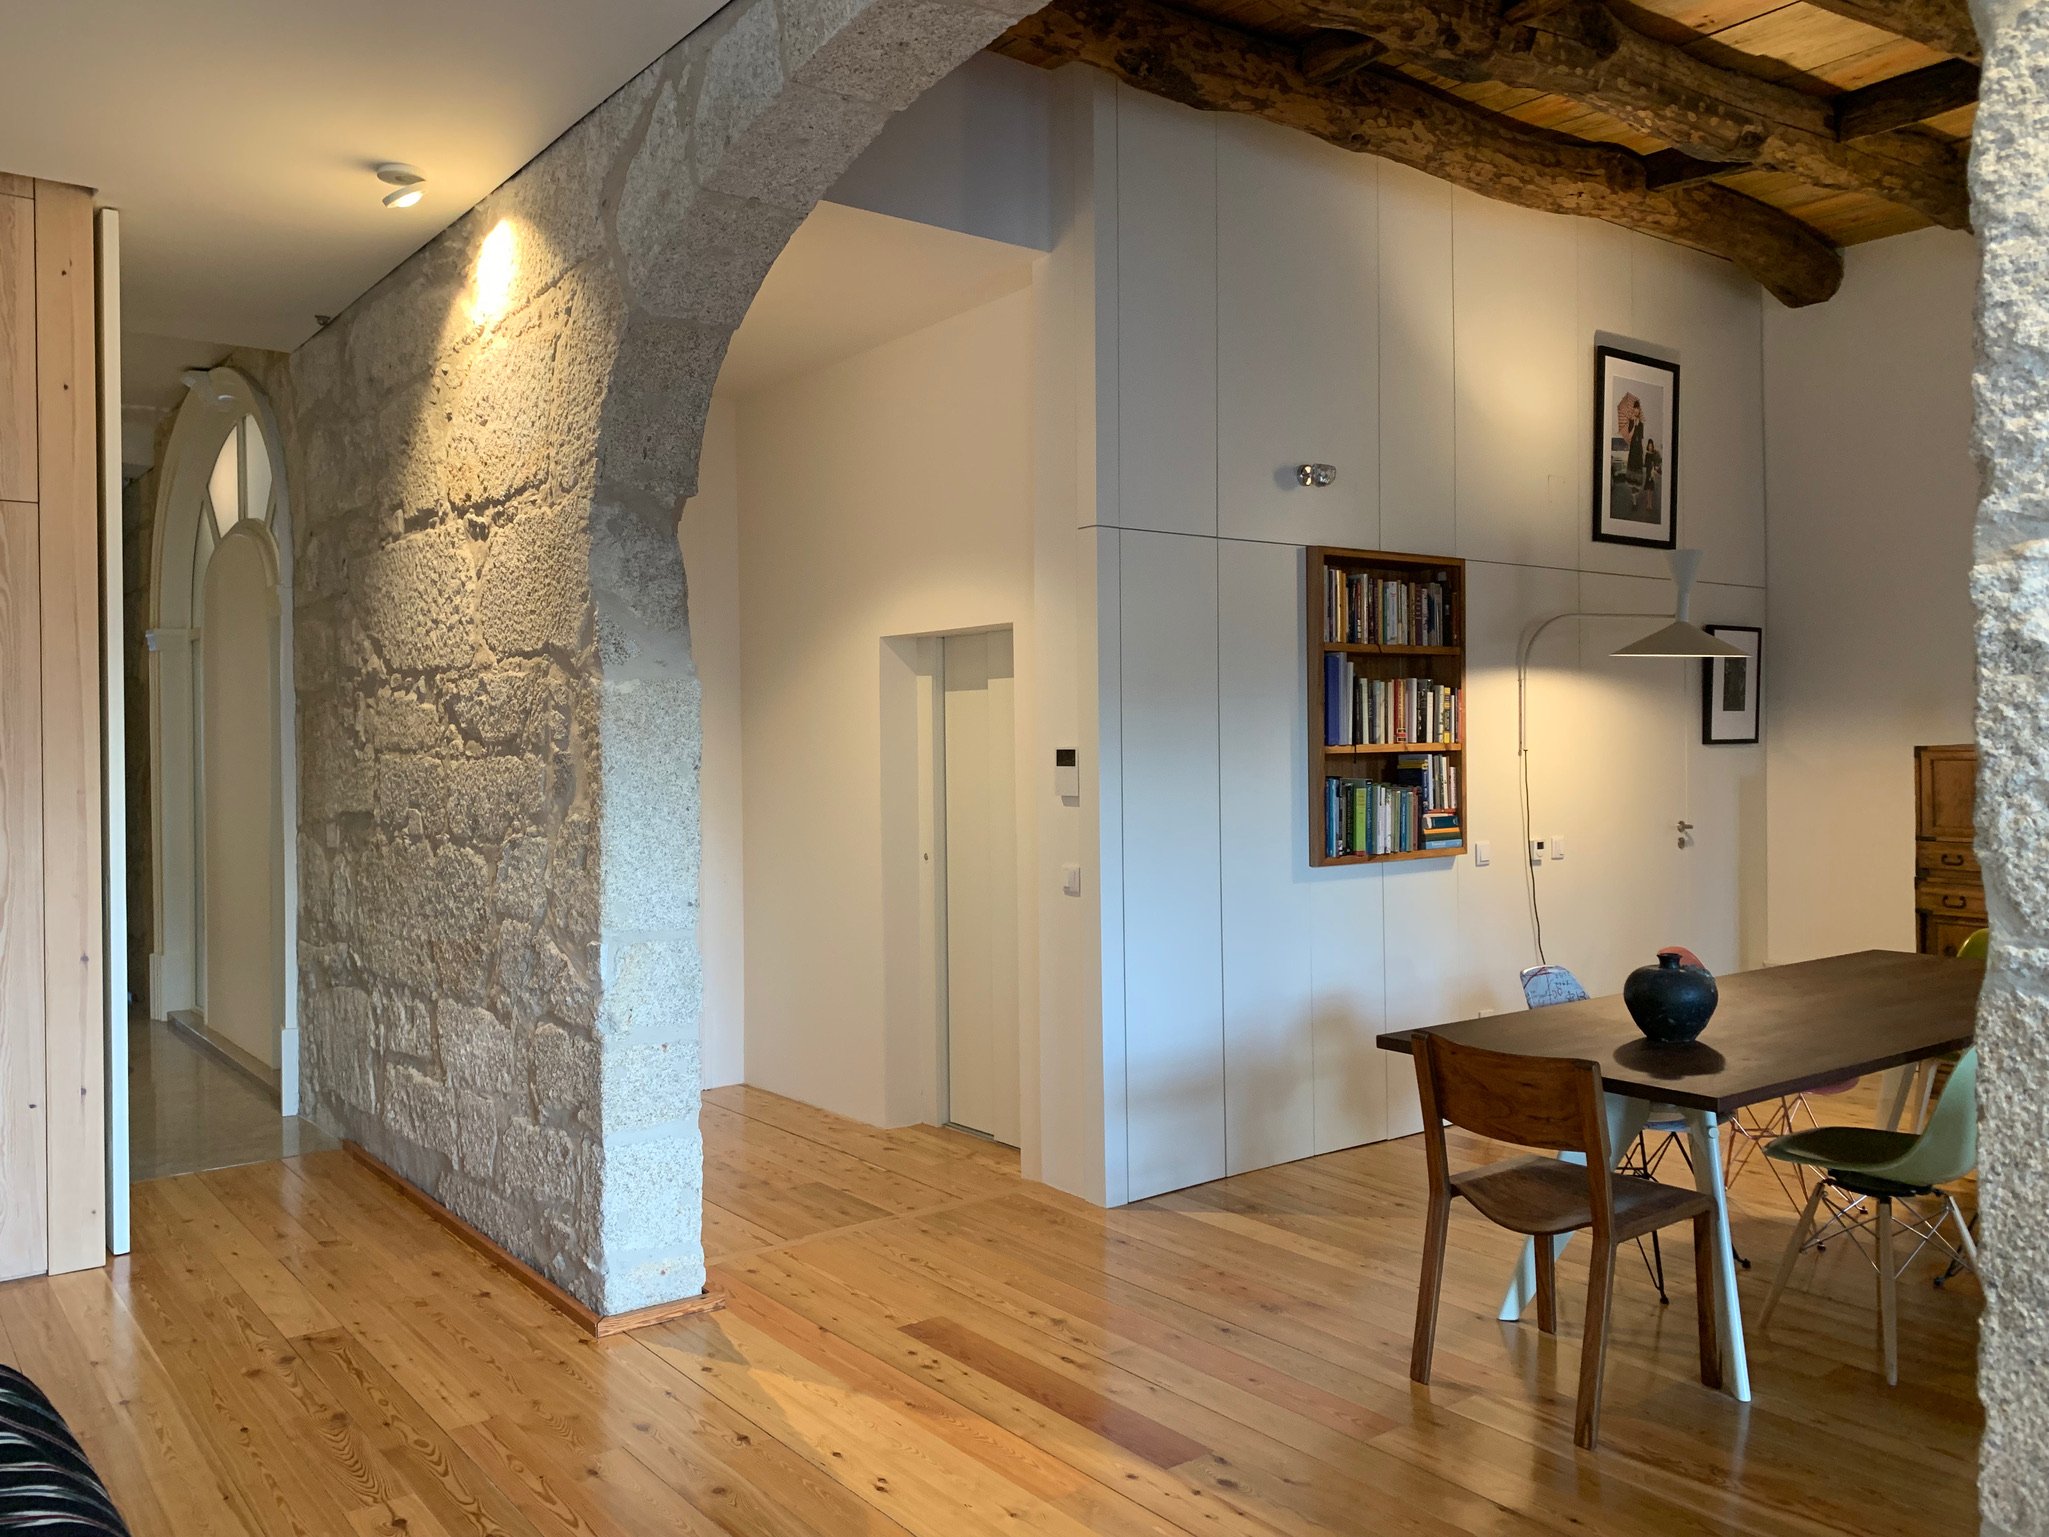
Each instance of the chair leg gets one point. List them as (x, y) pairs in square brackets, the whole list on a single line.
[(1800, 1231), (1547, 1284), (1593, 1348), (1966, 1239), (1430, 1285), (1704, 1298), (1888, 1296)]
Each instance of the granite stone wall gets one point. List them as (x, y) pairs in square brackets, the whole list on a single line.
[(2010, 586), (498, 713)]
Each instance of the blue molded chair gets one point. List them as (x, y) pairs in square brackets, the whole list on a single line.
[(1546, 986), (1869, 1166)]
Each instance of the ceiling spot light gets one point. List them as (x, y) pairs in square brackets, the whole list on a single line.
[(407, 182)]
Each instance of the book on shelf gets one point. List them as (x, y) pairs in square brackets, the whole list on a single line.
[(1364, 711), (1414, 809), (1361, 608)]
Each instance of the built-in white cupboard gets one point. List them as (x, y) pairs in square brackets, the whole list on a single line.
[(1268, 301)]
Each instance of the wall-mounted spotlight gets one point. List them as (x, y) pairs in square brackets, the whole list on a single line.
[(408, 184)]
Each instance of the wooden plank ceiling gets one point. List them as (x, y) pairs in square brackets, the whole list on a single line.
[(1768, 132)]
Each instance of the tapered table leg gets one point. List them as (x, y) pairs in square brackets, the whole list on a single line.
[(1704, 1137)]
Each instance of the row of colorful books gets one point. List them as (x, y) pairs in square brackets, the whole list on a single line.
[(1414, 810), (1359, 710), (1360, 608)]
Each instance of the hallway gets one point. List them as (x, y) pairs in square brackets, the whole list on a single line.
[(917, 1341), (190, 1111)]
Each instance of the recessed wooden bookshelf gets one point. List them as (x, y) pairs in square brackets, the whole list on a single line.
[(1387, 778)]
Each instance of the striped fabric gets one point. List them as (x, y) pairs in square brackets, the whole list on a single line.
[(46, 1484)]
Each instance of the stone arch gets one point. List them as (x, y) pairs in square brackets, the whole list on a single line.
[(217, 400), (500, 730)]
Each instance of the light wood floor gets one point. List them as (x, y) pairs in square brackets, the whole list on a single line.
[(920, 1343)]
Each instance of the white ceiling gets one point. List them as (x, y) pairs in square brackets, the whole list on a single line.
[(850, 279), (237, 137)]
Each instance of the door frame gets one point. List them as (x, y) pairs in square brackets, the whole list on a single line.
[(215, 402)]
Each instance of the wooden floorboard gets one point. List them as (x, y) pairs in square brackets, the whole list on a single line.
[(919, 1343)]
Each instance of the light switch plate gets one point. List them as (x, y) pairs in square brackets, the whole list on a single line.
[(1070, 880), (1483, 853)]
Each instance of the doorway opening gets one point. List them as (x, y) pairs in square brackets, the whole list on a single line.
[(213, 1076), (976, 876)]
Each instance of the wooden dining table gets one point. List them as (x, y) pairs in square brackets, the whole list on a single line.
[(1777, 1032)]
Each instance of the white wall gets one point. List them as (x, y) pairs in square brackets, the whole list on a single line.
[(1872, 491), (710, 534), (972, 155), (1272, 300), (886, 495)]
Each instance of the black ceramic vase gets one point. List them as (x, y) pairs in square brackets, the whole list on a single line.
[(1671, 1003)]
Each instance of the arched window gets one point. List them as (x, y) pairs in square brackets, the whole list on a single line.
[(240, 484)]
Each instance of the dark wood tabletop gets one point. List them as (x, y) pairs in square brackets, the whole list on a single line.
[(1776, 1032)]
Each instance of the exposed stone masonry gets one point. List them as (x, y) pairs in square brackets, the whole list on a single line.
[(2010, 585), (498, 714)]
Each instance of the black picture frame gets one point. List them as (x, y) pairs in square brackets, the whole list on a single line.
[(1635, 478), (1717, 677)]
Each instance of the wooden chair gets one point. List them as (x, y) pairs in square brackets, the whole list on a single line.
[(1557, 1104)]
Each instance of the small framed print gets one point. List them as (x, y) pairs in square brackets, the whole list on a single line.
[(1731, 687), (1636, 449)]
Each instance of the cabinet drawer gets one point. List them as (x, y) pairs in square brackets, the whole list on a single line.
[(1950, 901), (1945, 861), (1945, 936)]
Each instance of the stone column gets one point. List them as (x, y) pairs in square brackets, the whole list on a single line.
[(2010, 586), (499, 732)]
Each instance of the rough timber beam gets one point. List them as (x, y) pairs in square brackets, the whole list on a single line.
[(1331, 56), (1214, 68), (1585, 53), (1944, 25), (1906, 99)]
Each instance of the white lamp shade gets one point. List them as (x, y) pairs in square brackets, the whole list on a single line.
[(1681, 637)]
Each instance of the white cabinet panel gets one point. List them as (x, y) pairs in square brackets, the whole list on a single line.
[(1514, 281), (1349, 1012), (1297, 357), (1269, 1059), (1173, 962), (1416, 391), (1166, 316)]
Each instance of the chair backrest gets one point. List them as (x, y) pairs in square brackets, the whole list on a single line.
[(1947, 1148), (1977, 945), (1686, 956), (1547, 1102), (1546, 985)]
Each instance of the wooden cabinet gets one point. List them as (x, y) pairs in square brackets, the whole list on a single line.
[(1949, 895)]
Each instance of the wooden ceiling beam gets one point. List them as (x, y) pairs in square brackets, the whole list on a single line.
[(1906, 99), (1333, 55), (1214, 68), (1585, 53), (1944, 25), (1676, 168)]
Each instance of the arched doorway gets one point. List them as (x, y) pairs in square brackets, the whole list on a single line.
[(223, 775)]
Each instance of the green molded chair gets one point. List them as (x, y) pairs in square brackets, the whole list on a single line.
[(1866, 1166), (1914, 1086), (1976, 946)]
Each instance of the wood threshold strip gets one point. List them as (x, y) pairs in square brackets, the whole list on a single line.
[(597, 1325)]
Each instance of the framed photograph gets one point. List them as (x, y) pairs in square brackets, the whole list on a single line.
[(1730, 687), (1636, 449)]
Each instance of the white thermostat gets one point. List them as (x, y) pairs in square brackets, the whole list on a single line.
[(1067, 773)]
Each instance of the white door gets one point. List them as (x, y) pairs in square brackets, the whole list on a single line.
[(244, 901), (979, 734)]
